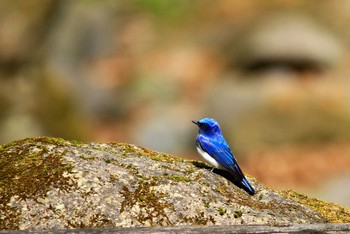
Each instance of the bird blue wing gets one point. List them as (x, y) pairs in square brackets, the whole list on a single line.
[(220, 151)]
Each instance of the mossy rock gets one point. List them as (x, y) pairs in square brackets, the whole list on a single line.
[(49, 183)]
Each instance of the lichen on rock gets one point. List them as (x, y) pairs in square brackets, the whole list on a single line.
[(49, 183)]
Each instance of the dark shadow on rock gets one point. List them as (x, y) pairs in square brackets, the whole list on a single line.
[(230, 178), (222, 173), (201, 165)]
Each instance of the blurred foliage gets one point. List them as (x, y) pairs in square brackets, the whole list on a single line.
[(167, 10), (58, 111)]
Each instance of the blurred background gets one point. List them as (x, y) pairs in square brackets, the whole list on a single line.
[(275, 74)]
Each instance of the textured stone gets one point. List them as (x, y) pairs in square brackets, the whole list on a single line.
[(48, 183)]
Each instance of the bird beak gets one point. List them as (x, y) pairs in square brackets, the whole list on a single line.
[(195, 122)]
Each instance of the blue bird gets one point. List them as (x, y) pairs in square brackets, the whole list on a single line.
[(212, 146)]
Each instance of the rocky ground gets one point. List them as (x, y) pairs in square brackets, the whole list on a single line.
[(50, 183)]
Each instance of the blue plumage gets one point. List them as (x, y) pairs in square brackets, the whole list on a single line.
[(212, 146)]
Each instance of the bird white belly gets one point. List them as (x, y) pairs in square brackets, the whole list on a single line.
[(209, 159)]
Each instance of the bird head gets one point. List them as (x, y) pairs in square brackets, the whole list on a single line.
[(208, 126)]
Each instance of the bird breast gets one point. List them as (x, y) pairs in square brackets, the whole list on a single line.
[(209, 159)]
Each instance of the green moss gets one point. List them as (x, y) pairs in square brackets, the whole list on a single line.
[(242, 198), (222, 210), (88, 157), (107, 160), (332, 212), (29, 172), (40, 140), (206, 204), (95, 220), (260, 196), (113, 179), (128, 166), (237, 214), (198, 219), (177, 178), (163, 157), (151, 203), (220, 190), (189, 171), (144, 152)]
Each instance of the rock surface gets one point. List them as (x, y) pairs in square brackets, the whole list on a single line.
[(48, 183)]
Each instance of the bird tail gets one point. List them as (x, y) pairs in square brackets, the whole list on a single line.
[(247, 187), (244, 184)]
